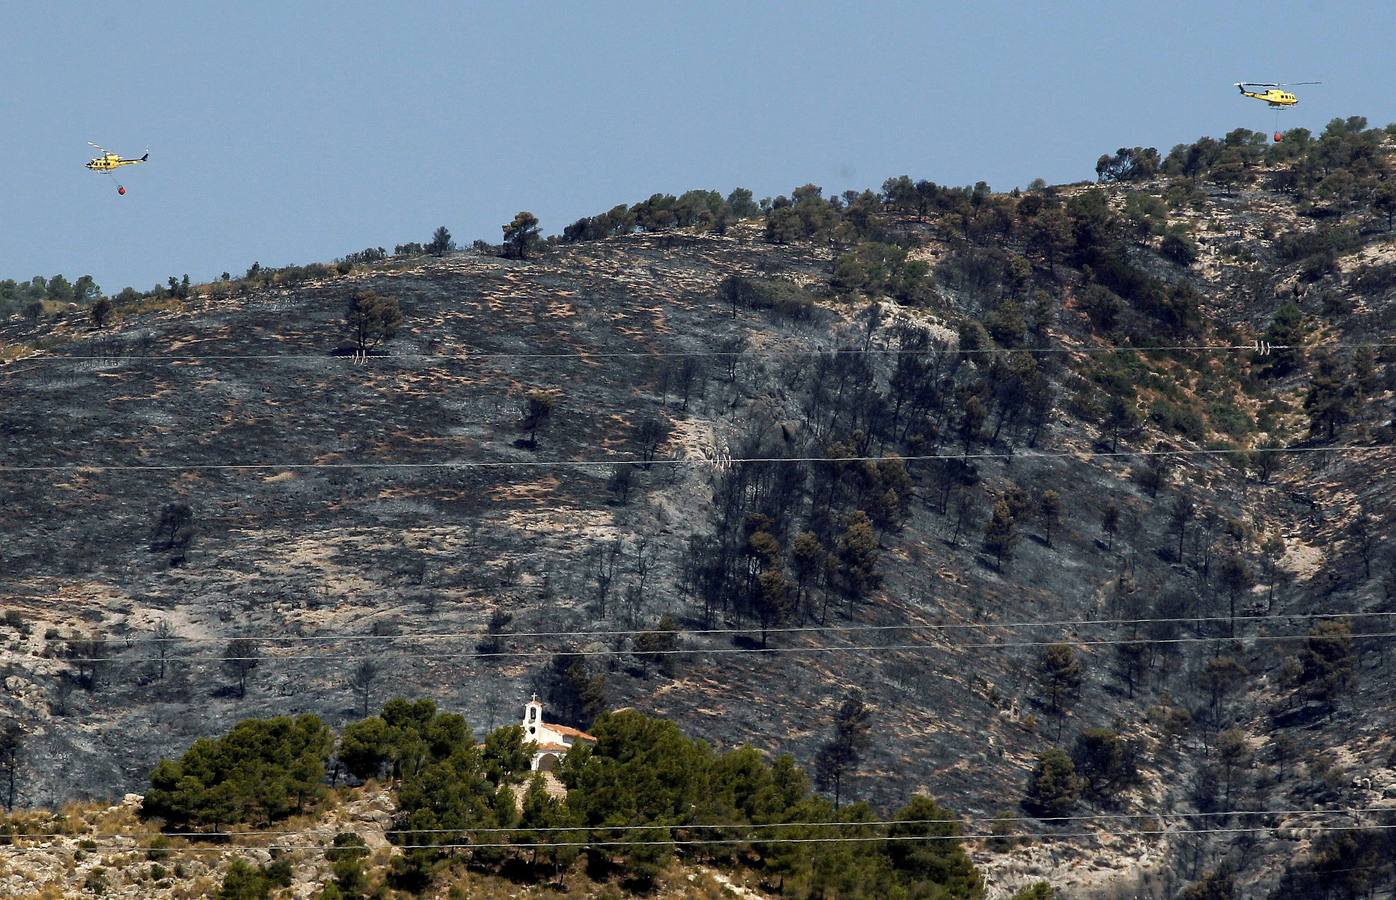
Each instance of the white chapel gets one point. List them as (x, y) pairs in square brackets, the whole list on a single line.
[(551, 742)]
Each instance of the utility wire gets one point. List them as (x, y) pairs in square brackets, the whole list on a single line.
[(696, 632), (852, 839), (592, 463), (716, 651), (360, 358), (1260, 347), (754, 825)]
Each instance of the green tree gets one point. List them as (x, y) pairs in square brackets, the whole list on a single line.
[(1328, 662), (11, 740), (1049, 235), (1105, 762), (521, 235), (855, 559), (551, 818), (841, 754), (364, 747), (1053, 787), (1332, 397), (1286, 335), (1384, 201), (934, 867), (742, 205), (641, 771), (370, 319), (1061, 674), (1001, 532), (574, 693), (441, 242), (506, 754), (260, 771), (86, 291), (59, 289)]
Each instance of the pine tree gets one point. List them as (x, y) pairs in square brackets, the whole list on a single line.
[(842, 753), (370, 319), (1061, 675), (1053, 787), (441, 242), (521, 235), (1001, 532)]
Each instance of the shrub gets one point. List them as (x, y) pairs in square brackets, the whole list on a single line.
[(1178, 247), (785, 297)]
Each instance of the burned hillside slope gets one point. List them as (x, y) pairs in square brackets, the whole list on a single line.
[(735, 479)]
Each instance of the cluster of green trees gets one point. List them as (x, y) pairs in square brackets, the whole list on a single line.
[(646, 792), (692, 209), (785, 297), (260, 771), (1102, 763), (643, 795), (28, 297)]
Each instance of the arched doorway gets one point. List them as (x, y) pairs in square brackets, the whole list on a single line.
[(547, 762)]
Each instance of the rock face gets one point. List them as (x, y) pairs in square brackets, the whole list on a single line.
[(384, 510)]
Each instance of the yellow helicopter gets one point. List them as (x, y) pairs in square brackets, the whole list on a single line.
[(1274, 96), (110, 161)]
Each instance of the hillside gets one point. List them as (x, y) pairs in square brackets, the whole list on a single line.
[(837, 414)]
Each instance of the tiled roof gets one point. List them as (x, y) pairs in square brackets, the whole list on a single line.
[(551, 748), (572, 732)]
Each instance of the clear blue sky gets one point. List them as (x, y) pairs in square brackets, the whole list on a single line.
[(295, 132)]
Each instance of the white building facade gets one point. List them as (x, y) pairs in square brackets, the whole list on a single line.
[(551, 742)]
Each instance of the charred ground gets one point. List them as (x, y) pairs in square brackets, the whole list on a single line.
[(786, 335)]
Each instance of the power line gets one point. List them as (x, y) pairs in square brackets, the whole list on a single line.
[(716, 651), (359, 358), (1259, 346), (696, 632), (763, 825), (846, 839), (725, 461)]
